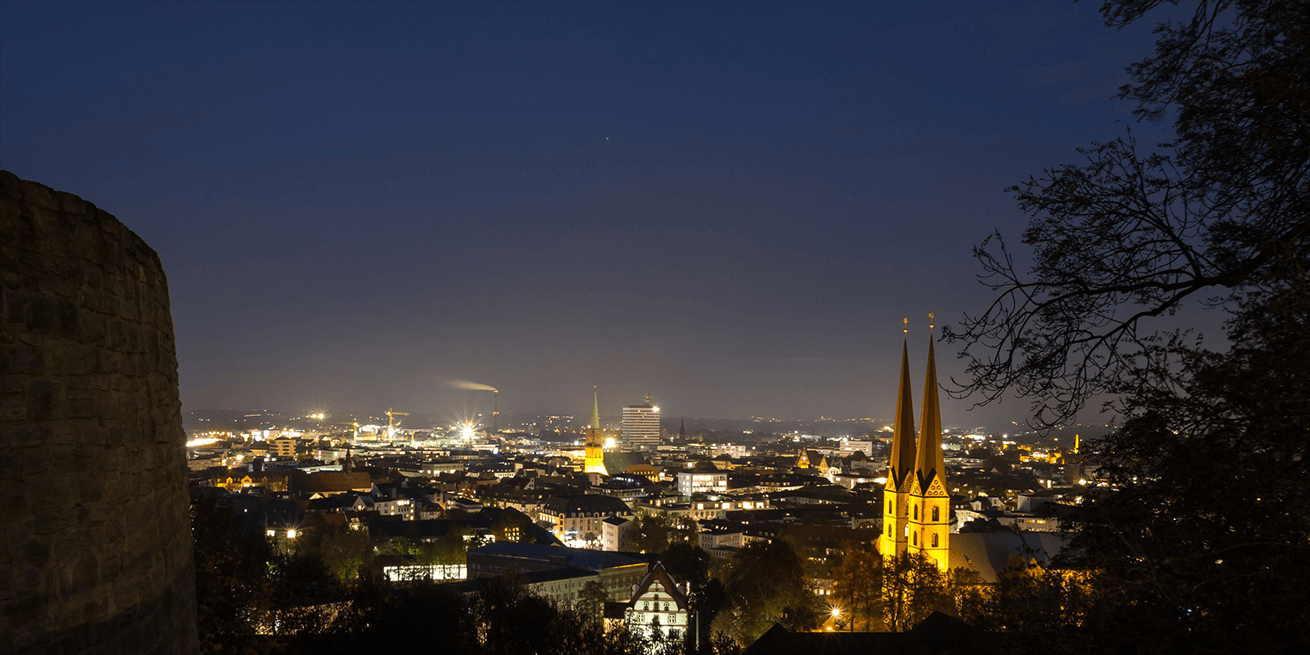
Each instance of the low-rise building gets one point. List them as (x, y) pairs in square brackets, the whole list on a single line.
[(560, 585), (658, 607), (612, 531), (578, 517), (711, 539), (616, 572)]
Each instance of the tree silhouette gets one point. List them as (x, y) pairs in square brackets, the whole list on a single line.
[(765, 584), (1128, 235), (1198, 541)]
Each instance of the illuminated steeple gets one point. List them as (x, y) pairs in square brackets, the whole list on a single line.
[(595, 446), (896, 491), (928, 463), (903, 452)]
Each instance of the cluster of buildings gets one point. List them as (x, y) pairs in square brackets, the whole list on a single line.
[(561, 514)]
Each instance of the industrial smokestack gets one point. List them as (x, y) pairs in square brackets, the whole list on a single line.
[(478, 386)]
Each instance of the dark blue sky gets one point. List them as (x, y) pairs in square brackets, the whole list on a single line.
[(729, 206)]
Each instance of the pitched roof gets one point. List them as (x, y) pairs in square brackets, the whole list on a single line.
[(620, 462), (591, 560), (657, 573), (991, 554), (331, 482), (938, 634), (589, 503), (426, 529)]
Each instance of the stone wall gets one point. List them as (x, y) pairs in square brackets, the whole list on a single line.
[(95, 546)]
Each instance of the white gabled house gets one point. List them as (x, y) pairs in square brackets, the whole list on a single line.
[(658, 606)]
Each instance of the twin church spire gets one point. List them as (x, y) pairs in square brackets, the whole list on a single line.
[(916, 516)]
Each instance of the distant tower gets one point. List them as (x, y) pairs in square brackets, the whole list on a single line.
[(1073, 465), (896, 492), (682, 430), (595, 442), (930, 502), (641, 426)]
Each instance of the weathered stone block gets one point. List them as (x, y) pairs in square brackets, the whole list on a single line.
[(19, 358), (12, 407), (15, 306), (40, 315), (44, 399), (83, 404)]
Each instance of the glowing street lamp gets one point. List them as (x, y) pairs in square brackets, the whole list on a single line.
[(836, 616)]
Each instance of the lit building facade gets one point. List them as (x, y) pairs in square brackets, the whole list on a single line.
[(641, 426), (691, 482), (283, 447), (576, 518), (658, 608)]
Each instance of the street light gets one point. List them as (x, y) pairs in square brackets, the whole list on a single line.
[(836, 615)]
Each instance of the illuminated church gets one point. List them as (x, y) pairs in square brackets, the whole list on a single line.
[(917, 506)]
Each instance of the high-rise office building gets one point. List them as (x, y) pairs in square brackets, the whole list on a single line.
[(641, 426)]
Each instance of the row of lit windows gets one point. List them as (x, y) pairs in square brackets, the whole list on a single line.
[(936, 511), (914, 537)]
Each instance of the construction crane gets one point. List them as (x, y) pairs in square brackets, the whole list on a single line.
[(391, 427)]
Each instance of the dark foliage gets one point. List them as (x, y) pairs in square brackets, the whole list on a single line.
[(707, 596), (232, 588), (1128, 235), (1198, 541), (1204, 544), (765, 584)]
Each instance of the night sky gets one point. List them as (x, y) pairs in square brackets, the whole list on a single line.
[(728, 206)]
